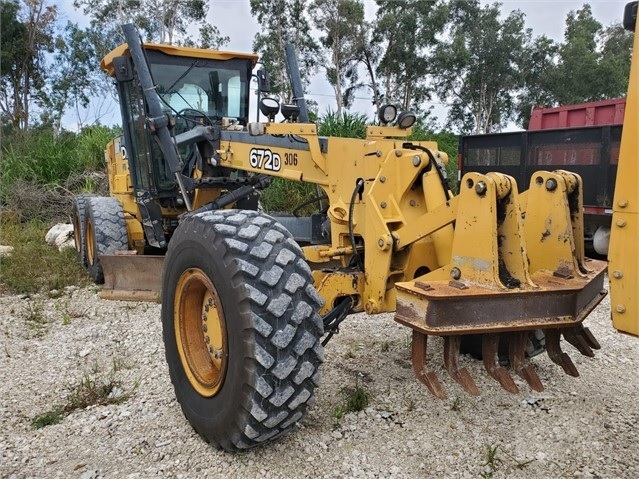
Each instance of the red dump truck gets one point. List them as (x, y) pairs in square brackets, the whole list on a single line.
[(582, 138)]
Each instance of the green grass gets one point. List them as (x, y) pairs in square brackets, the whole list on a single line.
[(357, 399), (47, 158), (493, 461), (348, 125), (92, 389), (34, 266), (40, 170), (354, 400), (55, 416), (286, 196)]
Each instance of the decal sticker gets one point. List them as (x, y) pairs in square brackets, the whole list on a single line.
[(263, 158)]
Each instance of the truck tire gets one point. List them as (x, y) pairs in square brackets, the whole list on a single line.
[(78, 215), (241, 327), (105, 230)]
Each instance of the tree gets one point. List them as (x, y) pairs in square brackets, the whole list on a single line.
[(369, 54), (480, 66), (75, 79), (162, 21), (539, 67), (210, 37), (27, 33), (577, 70), (592, 63), (283, 22), (407, 32), (341, 23), (614, 64)]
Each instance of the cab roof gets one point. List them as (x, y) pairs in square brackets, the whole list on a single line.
[(107, 62)]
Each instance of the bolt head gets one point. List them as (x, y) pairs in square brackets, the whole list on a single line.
[(417, 160), (617, 274), (621, 223), (382, 179), (398, 153), (480, 188), (455, 273), (623, 203), (621, 308), (551, 184), (383, 204)]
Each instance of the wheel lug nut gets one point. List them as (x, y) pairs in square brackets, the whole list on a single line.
[(204, 327)]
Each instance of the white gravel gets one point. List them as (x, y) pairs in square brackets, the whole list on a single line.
[(578, 427)]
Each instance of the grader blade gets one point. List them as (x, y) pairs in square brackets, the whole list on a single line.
[(130, 277)]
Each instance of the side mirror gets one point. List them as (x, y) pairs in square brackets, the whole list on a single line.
[(630, 16), (123, 69), (263, 81)]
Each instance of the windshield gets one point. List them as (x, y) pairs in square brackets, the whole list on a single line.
[(216, 88)]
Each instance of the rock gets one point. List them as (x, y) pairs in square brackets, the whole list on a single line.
[(60, 236), (5, 251)]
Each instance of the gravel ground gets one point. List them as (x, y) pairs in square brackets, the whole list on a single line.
[(578, 427)]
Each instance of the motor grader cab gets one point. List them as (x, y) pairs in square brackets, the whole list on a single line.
[(249, 300)]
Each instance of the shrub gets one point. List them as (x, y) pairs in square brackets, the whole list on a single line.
[(40, 170), (34, 265)]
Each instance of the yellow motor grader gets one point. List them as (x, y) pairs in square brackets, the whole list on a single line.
[(250, 299)]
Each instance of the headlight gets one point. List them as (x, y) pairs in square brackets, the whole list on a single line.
[(387, 113), (406, 119)]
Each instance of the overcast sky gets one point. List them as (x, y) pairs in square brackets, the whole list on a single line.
[(233, 18)]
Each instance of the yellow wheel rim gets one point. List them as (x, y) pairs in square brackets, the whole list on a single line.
[(88, 232), (200, 332)]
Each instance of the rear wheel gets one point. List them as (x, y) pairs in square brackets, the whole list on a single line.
[(241, 327), (79, 213), (105, 230)]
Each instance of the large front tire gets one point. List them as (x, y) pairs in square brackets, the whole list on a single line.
[(241, 327)]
